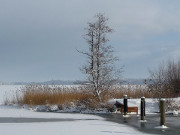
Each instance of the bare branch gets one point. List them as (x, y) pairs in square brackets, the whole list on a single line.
[(99, 68)]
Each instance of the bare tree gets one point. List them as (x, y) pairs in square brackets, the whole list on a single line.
[(173, 76), (165, 81), (100, 70), (157, 81)]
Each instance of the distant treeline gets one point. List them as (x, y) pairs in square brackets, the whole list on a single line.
[(77, 82)]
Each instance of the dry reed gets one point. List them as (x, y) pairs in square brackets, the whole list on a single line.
[(43, 94)]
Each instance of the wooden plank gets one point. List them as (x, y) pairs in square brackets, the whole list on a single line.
[(130, 109)]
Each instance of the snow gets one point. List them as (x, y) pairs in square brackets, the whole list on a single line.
[(162, 127), (67, 128), (175, 113), (152, 105), (126, 116), (8, 91), (83, 124), (15, 111), (143, 121)]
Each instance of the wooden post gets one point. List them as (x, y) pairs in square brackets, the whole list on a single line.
[(162, 112), (30, 103), (143, 108), (125, 105)]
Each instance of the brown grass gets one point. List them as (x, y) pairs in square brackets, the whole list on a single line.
[(135, 91), (43, 95)]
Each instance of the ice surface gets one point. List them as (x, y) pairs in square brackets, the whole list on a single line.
[(83, 126)]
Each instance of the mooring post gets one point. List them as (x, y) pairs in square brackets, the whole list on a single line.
[(125, 105), (162, 112), (143, 108), (30, 103)]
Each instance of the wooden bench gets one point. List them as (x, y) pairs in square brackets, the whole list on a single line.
[(130, 109)]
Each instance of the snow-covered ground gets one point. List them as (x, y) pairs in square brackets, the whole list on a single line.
[(83, 124), (152, 105), (8, 91)]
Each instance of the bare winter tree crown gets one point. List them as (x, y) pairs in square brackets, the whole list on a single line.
[(99, 69)]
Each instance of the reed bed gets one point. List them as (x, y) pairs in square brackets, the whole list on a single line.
[(44, 94)]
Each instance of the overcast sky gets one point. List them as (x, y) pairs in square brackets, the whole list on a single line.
[(39, 38)]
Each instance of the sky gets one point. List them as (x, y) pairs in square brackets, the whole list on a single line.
[(39, 38)]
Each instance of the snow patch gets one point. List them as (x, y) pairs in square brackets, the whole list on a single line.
[(162, 127)]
